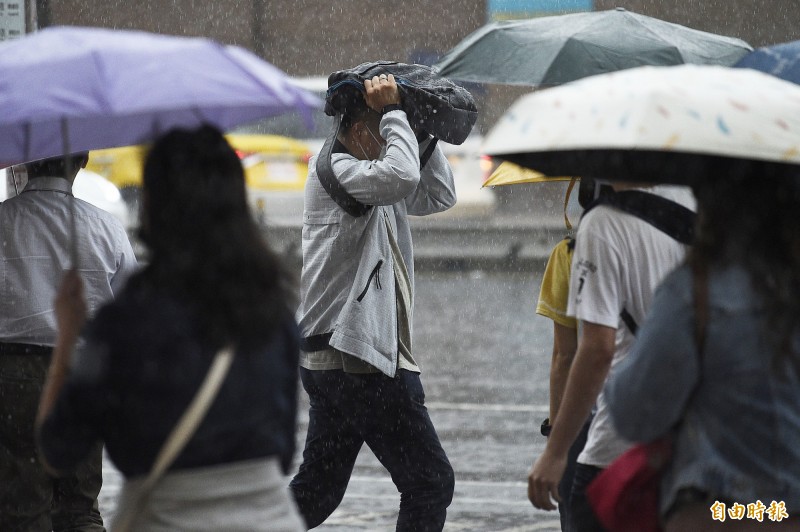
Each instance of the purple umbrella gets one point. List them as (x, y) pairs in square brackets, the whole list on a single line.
[(68, 89)]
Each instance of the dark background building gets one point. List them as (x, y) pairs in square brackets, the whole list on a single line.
[(316, 37)]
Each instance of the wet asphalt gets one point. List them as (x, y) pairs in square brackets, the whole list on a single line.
[(484, 356)]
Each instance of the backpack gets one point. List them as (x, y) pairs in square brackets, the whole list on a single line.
[(434, 105)]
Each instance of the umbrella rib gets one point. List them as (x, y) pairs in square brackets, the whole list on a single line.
[(73, 241)]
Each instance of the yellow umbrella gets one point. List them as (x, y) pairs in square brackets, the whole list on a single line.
[(508, 173)]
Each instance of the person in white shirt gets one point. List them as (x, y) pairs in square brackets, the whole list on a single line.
[(619, 260), (36, 243)]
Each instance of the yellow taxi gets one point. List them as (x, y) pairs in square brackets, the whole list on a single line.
[(271, 162)]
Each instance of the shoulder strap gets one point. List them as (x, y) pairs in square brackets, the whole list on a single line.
[(423, 158), (335, 190), (182, 432), (328, 180), (665, 215), (629, 321)]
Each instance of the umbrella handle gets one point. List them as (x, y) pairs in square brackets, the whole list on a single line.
[(73, 237)]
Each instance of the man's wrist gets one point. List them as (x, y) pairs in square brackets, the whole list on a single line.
[(391, 107)]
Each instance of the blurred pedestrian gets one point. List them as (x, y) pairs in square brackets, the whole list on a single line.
[(356, 315), (38, 229), (618, 261), (552, 304), (733, 402), (211, 282)]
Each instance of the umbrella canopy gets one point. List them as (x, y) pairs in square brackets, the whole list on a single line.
[(508, 173), (563, 48), (781, 60), (72, 89), (657, 124)]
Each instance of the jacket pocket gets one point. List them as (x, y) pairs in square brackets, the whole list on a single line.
[(320, 226), (375, 274)]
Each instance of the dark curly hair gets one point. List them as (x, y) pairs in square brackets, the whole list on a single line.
[(753, 222), (205, 247)]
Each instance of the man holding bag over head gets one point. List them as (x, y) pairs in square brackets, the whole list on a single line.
[(356, 309)]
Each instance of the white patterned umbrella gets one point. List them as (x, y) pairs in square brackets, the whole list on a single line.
[(657, 124)]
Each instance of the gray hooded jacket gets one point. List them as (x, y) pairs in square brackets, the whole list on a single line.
[(347, 282)]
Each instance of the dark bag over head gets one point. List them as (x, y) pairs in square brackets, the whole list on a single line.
[(432, 103)]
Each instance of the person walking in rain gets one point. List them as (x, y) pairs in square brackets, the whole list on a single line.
[(357, 363), (211, 284), (36, 239), (552, 304), (717, 364), (618, 261)]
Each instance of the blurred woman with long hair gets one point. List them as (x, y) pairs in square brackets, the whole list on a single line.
[(210, 283), (730, 394)]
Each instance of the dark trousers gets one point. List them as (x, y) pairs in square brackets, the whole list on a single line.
[(565, 486), (30, 499), (581, 515), (389, 415)]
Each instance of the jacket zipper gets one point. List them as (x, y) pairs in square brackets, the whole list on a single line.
[(376, 274)]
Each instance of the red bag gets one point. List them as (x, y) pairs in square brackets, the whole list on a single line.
[(624, 496)]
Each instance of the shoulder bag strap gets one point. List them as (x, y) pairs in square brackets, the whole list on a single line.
[(328, 180), (335, 190), (665, 215), (424, 156), (182, 432)]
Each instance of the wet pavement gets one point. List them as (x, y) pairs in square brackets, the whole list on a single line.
[(485, 358)]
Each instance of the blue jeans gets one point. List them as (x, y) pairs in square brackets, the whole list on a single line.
[(565, 486), (581, 515), (389, 415)]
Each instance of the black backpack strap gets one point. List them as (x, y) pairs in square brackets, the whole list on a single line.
[(665, 215), (328, 180), (424, 156), (629, 321), (335, 190)]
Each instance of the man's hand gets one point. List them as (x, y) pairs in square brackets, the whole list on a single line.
[(543, 480), (381, 91)]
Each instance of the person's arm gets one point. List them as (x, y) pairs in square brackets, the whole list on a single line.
[(436, 189), (565, 344), (552, 304), (70, 308), (589, 370)]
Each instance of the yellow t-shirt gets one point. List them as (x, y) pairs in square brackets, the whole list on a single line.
[(554, 292)]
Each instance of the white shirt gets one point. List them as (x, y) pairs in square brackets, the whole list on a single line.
[(35, 236), (619, 260)]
